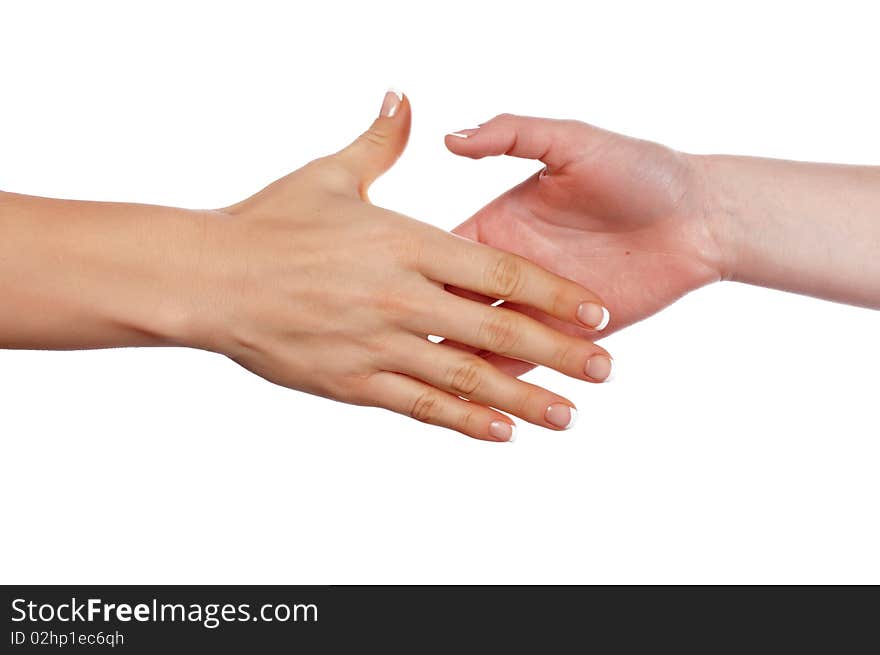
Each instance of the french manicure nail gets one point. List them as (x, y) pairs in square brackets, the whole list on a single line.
[(391, 103), (562, 416), (463, 134), (593, 315), (599, 368), (502, 431)]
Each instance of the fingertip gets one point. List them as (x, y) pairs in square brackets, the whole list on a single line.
[(550, 141), (390, 104), (405, 109), (464, 134), (593, 315), (561, 416), (606, 319), (599, 367), (460, 142), (377, 149), (502, 431), (394, 104)]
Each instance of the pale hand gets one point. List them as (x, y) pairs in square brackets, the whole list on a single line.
[(624, 217)]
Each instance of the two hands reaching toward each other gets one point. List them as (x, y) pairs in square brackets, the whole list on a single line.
[(310, 286)]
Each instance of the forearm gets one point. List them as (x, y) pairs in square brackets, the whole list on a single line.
[(807, 228), (91, 274)]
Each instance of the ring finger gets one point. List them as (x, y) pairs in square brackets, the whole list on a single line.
[(468, 376)]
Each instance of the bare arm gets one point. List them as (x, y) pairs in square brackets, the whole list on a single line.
[(808, 228), (93, 274), (643, 224)]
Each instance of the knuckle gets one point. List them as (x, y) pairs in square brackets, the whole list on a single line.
[(375, 137), (504, 277), (391, 306), (529, 402), (425, 407), (466, 423), (322, 164), (465, 378), (332, 173), (559, 302), (499, 333), (503, 118), (380, 349), (358, 396), (566, 356)]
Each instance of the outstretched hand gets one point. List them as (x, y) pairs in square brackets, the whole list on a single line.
[(621, 216), (337, 297)]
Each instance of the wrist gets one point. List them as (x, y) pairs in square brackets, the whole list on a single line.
[(721, 209), (185, 273)]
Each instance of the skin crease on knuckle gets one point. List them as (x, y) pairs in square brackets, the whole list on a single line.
[(532, 402), (560, 303), (465, 377), (466, 424), (569, 358), (424, 408), (498, 333), (377, 138), (504, 278)]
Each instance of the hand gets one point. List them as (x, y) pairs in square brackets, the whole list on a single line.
[(310, 286), (622, 216)]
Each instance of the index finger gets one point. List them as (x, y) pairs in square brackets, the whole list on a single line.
[(554, 142), (475, 267)]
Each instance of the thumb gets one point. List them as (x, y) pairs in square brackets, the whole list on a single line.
[(554, 142), (376, 150)]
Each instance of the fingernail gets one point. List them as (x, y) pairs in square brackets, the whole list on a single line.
[(502, 431), (562, 416), (593, 315), (390, 103), (599, 367), (463, 134)]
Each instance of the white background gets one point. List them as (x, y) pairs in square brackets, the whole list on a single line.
[(737, 444)]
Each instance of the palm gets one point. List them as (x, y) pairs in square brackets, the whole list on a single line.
[(623, 219)]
